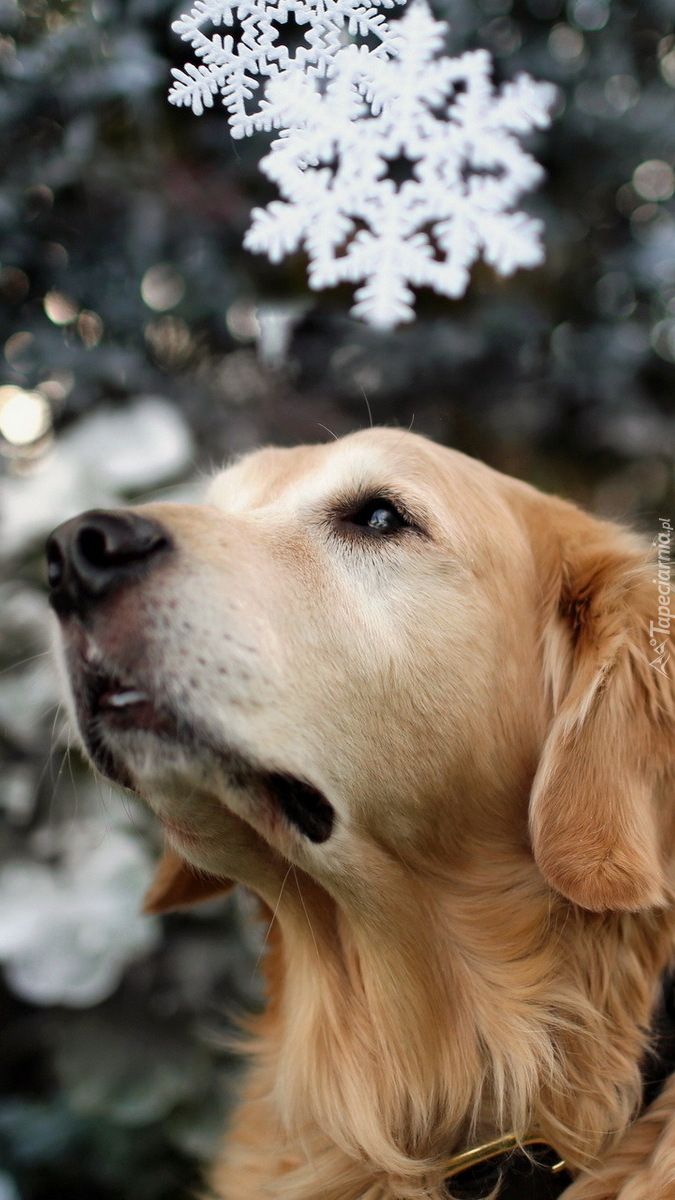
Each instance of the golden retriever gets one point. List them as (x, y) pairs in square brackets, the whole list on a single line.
[(425, 713)]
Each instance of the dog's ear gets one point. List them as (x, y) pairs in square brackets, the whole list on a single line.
[(601, 814), (177, 885)]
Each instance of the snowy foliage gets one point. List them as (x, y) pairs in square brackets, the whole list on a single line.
[(68, 932), (398, 166), (99, 461)]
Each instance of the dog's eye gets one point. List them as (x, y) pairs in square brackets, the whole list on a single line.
[(378, 516)]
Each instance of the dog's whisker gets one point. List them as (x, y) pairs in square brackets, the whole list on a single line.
[(76, 794), (330, 431), (65, 760), (370, 411), (48, 765), (22, 662), (302, 901), (271, 921)]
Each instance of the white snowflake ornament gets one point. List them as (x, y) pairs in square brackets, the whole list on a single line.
[(400, 171), (248, 52)]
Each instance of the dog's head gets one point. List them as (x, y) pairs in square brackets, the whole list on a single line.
[(372, 657), (417, 707)]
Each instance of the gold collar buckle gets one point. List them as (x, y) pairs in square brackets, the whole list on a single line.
[(478, 1154)]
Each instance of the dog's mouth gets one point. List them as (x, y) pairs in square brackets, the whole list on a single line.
[(108, 705), (125, 707)]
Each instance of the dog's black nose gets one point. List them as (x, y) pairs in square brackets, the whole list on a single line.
[(92, 555)]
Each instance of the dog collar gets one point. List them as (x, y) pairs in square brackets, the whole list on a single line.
[(522, 1170), (531, 1169)]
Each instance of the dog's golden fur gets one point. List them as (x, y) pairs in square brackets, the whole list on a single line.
[(478, 945)]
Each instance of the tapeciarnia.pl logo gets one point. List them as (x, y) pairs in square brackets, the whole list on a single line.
[(659, 631)]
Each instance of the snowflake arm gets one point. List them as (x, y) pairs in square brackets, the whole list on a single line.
[(229, 65), (277, 230), (524, 105), (194, 87), (511, 240)]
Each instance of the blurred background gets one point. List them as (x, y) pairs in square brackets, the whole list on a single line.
[(139, 348)]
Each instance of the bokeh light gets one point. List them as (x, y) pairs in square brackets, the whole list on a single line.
[(90, 328), (567, 45), (667, 65), (56, 388), (663, 339), (162, 287), (242, 320), (59, 308), (654, 180), (622, 92), (170, 340), (590, 14), (17, 345), (14, 284), (25, 417)]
